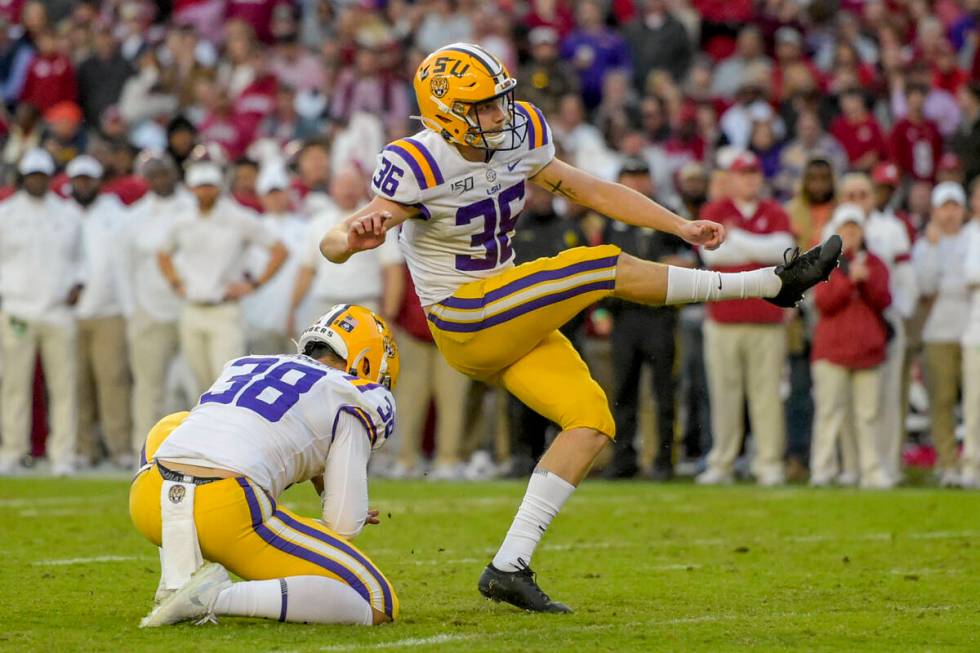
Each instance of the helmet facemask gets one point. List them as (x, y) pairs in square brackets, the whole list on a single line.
[(509, 136)]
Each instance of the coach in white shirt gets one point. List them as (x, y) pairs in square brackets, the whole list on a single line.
[(361, 280), (970, 462), (267, 310), (103, 374), (940, 260), (151, 305), (40, 281), (210, 244)]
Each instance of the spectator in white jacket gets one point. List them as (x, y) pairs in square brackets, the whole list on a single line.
[(40, 281), (970, 465), (103, 373), (203, 256), (267, 309), (366, 279), (151, 305), (939, 261)]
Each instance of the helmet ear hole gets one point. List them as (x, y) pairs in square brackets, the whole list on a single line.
[(365, 367)]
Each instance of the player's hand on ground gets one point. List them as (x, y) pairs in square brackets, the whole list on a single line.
[(367, 231), (705, 233), (372, 517), (238, 289)]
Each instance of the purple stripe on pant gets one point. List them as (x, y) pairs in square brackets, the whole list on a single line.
[(528, 281), (285, 546), (523, 309)]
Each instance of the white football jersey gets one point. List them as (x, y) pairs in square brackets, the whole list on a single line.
[(468, 210), (273, 418)]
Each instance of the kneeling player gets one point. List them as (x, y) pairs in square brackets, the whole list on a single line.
[(210, 479)]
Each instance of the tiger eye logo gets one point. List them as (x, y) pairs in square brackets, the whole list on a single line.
[(439, 86), (176, 493)]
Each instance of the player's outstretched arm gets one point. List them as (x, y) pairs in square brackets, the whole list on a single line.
[(624, 204), (365, 229)]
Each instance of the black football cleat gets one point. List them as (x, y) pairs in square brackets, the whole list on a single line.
[(800, 272), (519, 589)]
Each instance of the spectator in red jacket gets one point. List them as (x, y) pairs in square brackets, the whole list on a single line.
[(849, 345), (50, 76), (858, 131), (745, 341), (915, 141)]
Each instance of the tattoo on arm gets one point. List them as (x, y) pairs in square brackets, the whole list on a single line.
[(556, 188)]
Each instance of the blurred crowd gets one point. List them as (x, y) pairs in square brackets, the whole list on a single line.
[(125, 123)]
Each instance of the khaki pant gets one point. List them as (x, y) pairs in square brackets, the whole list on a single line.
[(152, 348), (426, 375), (890, 428), (20, 341), (103, 388), (845, 400), (971, 413), (746, 360), (270, 343), (943, 370), (210, 336)]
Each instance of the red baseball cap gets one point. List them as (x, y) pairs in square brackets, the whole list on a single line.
[(885, 174), (949, 161), (745, 162)]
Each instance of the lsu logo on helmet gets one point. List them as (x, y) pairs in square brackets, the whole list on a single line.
[(452, 81)]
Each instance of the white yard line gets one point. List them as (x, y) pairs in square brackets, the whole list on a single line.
[(410, 642), (45, 501), (83, 561), (56, 512)]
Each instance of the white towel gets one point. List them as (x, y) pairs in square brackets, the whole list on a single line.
[(180, 554)]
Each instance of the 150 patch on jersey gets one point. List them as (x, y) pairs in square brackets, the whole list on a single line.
[(463, 185)]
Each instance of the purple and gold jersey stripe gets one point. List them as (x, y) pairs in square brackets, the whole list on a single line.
[(537, 129), (420, 160), (361, 416), (468, 315), (285, 533)]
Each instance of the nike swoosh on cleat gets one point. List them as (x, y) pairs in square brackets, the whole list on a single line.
[(719, 282)]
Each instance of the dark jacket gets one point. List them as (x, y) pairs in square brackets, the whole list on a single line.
[(667, 47)]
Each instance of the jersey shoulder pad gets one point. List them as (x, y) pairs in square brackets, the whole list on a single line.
[(407, 168), (370, 404), (538, 139)]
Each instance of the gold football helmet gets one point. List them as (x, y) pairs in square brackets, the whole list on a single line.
[(452, 81), (361, 338)]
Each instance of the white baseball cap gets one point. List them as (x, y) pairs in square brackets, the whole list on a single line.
[(845, 213), (948, 191), (36, 161), (84, 166), (272, 177), (203, 173)]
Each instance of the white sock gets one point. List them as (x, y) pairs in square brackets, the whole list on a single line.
[(686, 286), (546, 494), (302, 599)]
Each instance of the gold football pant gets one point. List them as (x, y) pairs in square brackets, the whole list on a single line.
[(505, 329), (241, 527)]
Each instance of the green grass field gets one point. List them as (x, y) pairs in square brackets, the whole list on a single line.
[(646, 567)]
